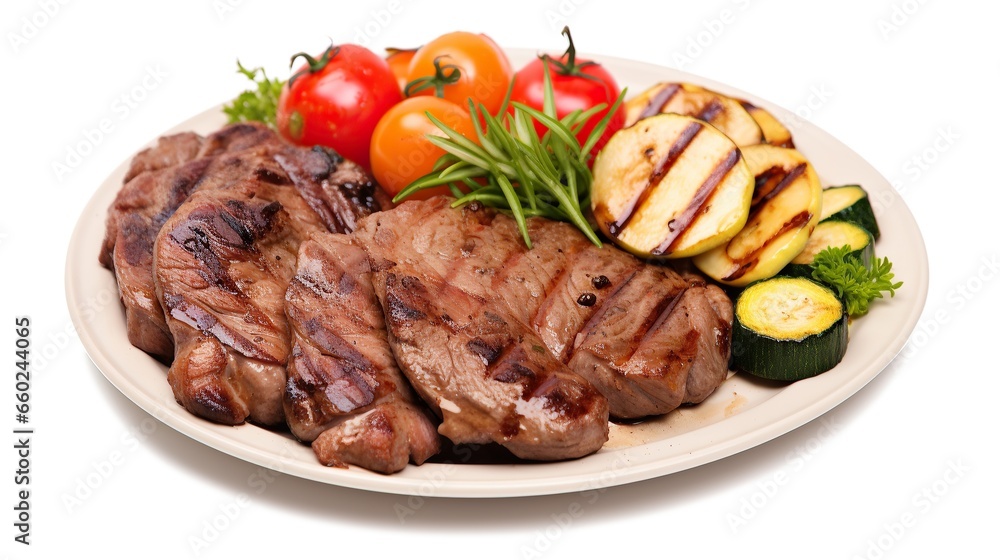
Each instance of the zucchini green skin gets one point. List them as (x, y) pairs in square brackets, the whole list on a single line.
[(864, 254), (788, 360), (860, 213)]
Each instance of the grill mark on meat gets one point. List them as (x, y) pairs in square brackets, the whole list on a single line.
[(663, 314), (484, 376), (595, 319), (664, 307), (489, 352), (270, 176), (336, 189), (179, 308), (659, 171), (511, 368), (345, 392), (353, 377), (679, 225), (397, 309)]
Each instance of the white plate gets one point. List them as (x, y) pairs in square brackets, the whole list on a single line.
[(742, 414)]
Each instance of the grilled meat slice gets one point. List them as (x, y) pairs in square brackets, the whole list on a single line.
[(223, 262), (382, 439), (163, 177), (169, 151), (344, 388), (153, 194), (486, 374), (640, 347), (649, 338), (338, 190)]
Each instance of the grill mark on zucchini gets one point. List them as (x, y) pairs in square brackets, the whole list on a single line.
[(659, 101), (660, 171), (710, 111), (702, 196), (745, 263), (762, 193)]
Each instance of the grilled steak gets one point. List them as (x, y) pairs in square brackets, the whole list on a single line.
[(345, 392), (159, 180), (482, 369), (222, 263), (647, 337), (169, 151), (486, 374)]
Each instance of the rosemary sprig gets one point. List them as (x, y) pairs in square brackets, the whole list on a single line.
[(519, 172)]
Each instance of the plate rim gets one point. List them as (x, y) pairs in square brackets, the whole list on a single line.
[(578, 478)]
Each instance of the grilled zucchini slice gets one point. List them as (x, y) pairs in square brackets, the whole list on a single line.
[(775, 133), (788, 329), (671, 186), (784, 210), (849, 203), (833, 233), (722, 112)]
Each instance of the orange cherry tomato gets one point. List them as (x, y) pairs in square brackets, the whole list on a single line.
[(400, 151), (399, 63), (460, 65)]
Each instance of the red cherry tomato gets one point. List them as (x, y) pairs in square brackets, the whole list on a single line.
[(576, 84), (337, 99)]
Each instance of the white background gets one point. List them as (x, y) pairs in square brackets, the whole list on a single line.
[(910, 86)]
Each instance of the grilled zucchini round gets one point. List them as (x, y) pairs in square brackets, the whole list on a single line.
[(849, 203), (788, 329), (833, 233)]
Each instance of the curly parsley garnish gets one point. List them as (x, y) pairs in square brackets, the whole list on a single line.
[(855, 283), (258, 105)]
